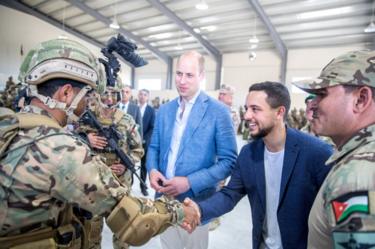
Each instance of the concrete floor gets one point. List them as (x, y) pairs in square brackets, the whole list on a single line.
[(233, 233)]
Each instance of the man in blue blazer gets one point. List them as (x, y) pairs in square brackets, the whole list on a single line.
[(280, 171), (192, 148), (148, 119)]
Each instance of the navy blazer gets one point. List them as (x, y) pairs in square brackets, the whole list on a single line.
[(148, 124), (207, 151), (303, 173)]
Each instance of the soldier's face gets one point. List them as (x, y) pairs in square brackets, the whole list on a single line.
[(333, 112), (226, 98), (109, 98), (260, 116), (309, 110)]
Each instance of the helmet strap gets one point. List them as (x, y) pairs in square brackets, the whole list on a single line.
[(48, 101), (70, 110), (54, 104)]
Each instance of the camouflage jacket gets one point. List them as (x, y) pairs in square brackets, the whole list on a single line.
[(344, 210), (38, 180), (307, 129), (131, 142)]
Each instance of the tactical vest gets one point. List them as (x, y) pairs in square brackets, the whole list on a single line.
[(110, 156), (107, 154), (70, 233)]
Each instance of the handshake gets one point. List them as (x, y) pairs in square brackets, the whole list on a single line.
[(172, 188), (192, 215)]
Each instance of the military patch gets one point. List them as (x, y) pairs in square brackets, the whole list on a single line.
[(360, 240), (344, 206)]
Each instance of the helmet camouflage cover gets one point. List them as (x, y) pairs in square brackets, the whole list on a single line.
[(61, 58), (356, 68)]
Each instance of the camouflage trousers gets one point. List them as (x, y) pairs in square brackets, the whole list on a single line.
[(95, 233), (95, 237)]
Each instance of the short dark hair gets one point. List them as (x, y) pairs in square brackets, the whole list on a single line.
[(277, 94), (49, 87)]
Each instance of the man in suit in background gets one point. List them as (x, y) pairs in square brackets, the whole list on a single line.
[(193, 147), (280, 171), (148, 118), (130, 108)]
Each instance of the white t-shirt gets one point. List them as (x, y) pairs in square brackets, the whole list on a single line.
[(273, 168)]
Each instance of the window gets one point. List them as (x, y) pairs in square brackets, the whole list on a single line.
[(149, 84)]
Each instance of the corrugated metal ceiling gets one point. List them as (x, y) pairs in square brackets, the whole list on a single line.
[(226, 25)]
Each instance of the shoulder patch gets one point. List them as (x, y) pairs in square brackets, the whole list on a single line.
[(344, 206)]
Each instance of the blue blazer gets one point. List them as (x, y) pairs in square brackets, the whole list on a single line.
[(207, 152), (303, 172), (148, 124)]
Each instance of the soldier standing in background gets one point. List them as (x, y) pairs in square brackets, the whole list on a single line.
[(309, 118), (226, 93), (9, 95), (104, 108), (46, 171), (343, 214)]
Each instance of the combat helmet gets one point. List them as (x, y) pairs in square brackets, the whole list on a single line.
[(60, 58)]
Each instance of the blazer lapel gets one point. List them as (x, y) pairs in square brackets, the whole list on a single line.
[(290, 156), (169, 124), (196, 115), (257, 162)]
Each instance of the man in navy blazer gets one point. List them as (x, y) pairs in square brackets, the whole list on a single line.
[(192, 148), (148, 119), (280, 171), (130, 108)]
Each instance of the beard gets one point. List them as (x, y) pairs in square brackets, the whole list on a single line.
[(261, 133)]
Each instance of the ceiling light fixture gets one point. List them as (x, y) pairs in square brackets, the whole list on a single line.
[(371, 27), (114, 24), (325, 13), (252, 56), (209, 28), (202, 5), (254, 39)]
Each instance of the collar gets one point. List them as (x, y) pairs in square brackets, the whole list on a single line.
[(192, 101), (37, 110), (363, 136), (142, 106)]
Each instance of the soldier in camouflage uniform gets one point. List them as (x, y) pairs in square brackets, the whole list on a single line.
[(343, 214), (103, 105), (8, 96), (309, 118), (46, 170)]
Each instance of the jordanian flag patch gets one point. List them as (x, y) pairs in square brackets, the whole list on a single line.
[(344, 206)]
